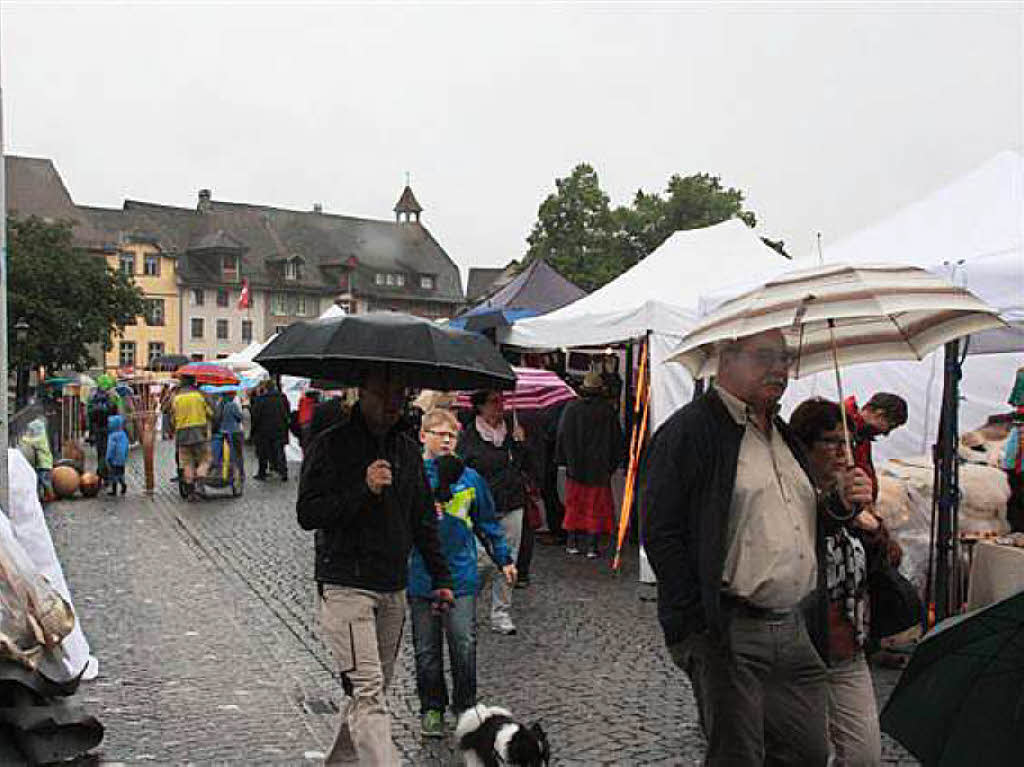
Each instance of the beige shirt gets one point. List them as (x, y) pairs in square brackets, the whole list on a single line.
[(769, 559)]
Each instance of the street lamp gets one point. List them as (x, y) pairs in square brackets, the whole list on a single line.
[(21, 328)]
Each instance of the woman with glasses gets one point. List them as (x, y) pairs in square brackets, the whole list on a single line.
[(853, 547), (496, 449)]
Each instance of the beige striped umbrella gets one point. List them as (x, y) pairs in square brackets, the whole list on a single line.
[(838, 315)]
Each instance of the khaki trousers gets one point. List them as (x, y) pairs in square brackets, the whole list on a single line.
[(853, 715), (364, 631)]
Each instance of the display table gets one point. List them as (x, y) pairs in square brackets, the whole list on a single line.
[(997, 572)]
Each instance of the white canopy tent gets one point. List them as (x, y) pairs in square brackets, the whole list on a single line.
[(659, 296), (972, 232)]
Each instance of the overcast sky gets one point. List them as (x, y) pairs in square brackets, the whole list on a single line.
[(827, 116)]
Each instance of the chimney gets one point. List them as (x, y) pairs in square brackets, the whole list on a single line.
[(318, 208), (204, 201)]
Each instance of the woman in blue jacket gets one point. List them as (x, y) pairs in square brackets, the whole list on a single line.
[(465, 512)]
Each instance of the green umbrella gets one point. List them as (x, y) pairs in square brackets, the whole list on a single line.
[(960, 700)]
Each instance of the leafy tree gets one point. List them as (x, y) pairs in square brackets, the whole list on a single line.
[(574, 230), (591, 244), (70, 298)]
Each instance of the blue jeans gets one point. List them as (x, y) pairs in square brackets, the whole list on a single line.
[(236, 453), (459, 627)]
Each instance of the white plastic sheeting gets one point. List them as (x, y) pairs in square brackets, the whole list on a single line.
[(29, 529)]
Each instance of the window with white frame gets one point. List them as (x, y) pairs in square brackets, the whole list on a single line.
[(197, 327), (126, 354), (300, 306), (426, 282), (151, 265), (197, 297), (154, 312), (293, 269), (379, 278), (279, 304), (229, 268), (126, 263), (223, 330), (154, 350)]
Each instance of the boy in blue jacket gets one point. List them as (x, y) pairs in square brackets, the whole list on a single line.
[(465, 512), (117, 454)]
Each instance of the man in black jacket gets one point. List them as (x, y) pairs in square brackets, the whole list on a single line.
[(733, 538), (364, 491), (271, 420)]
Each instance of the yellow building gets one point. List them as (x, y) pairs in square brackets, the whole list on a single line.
[(155, 333)]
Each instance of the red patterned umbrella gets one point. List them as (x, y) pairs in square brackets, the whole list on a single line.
[(535, 390), (207, 373)]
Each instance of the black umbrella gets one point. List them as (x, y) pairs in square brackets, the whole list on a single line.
[(960, 700), (168, 363), (347, 348)]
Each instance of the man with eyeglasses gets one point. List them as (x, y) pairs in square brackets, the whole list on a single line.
[(465, 512), (364, 491), (733, 538)]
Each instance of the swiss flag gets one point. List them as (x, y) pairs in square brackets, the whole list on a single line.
[(244, 300)]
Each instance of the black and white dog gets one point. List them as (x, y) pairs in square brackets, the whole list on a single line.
[(490, 737)]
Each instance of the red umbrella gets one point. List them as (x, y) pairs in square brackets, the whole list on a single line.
[(207, 373), (535, 390)]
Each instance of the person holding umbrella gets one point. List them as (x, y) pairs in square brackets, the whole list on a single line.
[(854, 548), (364, 491), (732, 536)]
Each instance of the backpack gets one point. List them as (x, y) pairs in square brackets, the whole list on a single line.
[(99, 410)]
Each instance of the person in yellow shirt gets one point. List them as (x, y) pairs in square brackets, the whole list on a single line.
[(190, 418)]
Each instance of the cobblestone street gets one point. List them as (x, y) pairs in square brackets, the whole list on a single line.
[(201, 617)]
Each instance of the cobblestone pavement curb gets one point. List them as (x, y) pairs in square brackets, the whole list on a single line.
[(201, 615)]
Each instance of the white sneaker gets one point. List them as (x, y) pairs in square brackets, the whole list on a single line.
[(505, 627)]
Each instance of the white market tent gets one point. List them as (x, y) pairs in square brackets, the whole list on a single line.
[(972, 232), (658, 296)]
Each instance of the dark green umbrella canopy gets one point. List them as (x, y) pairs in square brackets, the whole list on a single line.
[(427, 355), (960, 700)]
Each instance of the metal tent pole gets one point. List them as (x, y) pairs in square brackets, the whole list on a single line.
[(947, 491)]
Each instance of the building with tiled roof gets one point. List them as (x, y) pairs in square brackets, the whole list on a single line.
[(296, 263)]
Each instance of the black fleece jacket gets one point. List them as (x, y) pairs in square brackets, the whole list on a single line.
[(691, 473), (500, 466), (363, 540)]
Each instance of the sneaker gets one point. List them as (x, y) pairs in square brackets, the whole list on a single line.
[(432, 724), (593, 555), (572, 550), (508, 628)]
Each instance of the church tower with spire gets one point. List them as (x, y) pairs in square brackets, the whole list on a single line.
[(408, 207)]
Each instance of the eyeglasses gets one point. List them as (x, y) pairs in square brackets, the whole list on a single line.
[(836, 443), (770, 357), (450, 435)]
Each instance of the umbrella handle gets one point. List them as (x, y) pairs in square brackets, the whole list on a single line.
[(839, 389)]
